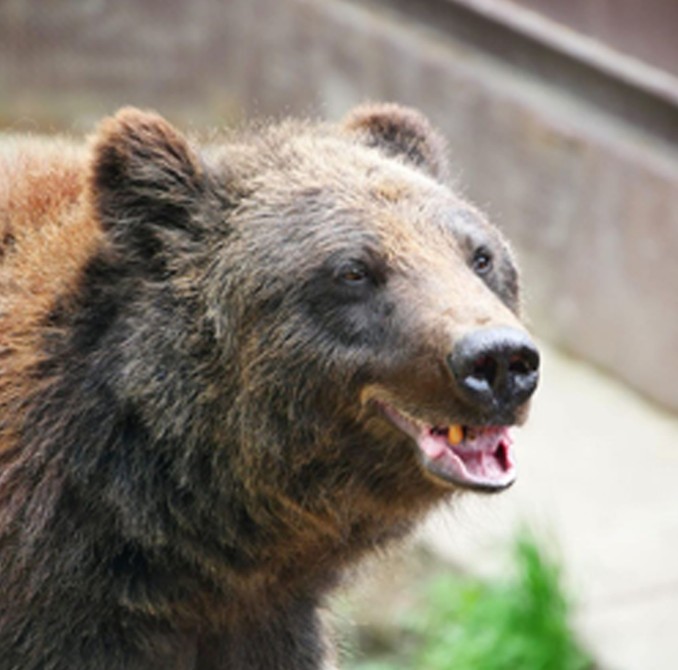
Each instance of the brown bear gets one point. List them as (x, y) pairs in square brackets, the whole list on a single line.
[(227, 373)]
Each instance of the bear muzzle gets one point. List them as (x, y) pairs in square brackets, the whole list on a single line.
[(494, 372)]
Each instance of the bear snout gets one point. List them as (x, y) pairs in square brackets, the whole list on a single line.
[(495, 369)]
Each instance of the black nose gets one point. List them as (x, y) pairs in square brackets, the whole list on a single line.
[(496, 368)]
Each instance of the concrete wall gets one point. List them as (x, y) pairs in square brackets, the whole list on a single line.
[(580, 170)]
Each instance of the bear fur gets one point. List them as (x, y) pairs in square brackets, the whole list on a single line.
[(192, 339)]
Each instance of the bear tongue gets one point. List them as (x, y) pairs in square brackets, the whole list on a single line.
[(483, 459)]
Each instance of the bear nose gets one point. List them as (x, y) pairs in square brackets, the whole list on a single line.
[(495, 368)]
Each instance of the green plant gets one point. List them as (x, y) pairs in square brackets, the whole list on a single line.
[(517, 623)]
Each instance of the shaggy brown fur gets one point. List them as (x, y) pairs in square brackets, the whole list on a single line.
[(191, 341), (45, 239)]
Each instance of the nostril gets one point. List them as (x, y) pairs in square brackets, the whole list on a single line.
[(518, 366), (522, 373), (524, 362), (484, 368)]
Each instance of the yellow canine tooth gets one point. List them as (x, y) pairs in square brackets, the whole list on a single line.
[(455, 434)]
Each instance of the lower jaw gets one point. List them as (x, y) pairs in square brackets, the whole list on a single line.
[(442, 475)]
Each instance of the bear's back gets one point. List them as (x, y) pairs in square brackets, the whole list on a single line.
[(40, 180), (46, 238)]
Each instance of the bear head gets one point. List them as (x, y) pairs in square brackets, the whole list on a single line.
[(311, 312)]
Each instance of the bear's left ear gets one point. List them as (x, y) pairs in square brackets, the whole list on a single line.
[(401, 131), (146, 182)]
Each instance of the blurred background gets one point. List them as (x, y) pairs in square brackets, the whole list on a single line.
[(562, 121)]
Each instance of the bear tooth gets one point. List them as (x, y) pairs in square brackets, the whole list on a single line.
[(455, 434)]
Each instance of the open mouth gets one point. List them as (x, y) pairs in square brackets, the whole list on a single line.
[(472, 457)]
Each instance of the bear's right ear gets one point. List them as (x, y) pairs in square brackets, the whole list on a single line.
[(401, 131), (145, 181)]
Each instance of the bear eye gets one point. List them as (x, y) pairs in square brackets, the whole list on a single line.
[(482, 261), (353, 273)]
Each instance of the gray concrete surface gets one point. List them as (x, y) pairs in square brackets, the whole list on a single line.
[(599, 473)]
